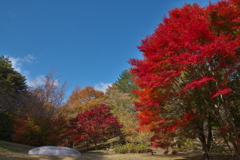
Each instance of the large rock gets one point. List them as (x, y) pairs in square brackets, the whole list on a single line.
[(53, 150)]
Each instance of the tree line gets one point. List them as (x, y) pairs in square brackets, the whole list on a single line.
[(38, 115)]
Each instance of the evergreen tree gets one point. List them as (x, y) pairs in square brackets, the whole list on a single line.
[(12, 89), (125, 83)]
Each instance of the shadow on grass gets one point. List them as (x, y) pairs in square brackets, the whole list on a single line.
[(196, 157), (8, 155), (176, 157)]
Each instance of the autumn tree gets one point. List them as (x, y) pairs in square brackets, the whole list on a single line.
[(120, 99), (83, 99), (191, 67), (42, 122), (95, 123), (122, 106)]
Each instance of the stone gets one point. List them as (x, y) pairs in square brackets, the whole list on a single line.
[(54, 150)]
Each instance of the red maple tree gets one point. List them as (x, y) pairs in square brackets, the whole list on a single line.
[(95, 124), (189, 65)]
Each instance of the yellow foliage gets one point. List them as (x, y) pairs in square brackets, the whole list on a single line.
[(123, 108), (83, 99)]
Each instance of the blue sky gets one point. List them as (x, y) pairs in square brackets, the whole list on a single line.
[(88, 41)]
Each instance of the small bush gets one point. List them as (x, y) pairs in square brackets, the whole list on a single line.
[(131, 148), (185, 145)]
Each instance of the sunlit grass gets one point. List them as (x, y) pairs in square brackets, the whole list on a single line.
[(142, 157)]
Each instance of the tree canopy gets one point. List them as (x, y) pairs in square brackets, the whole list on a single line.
[(13, 85), (42, 120), (96, 123), (83, 99), (125, 83), (190, 63), (12, 90)]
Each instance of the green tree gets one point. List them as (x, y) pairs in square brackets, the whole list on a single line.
[(6, 126), (125, 83), (12, 90), (12, 86)]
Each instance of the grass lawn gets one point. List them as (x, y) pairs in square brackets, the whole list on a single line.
[(143, 156), (13, 151)]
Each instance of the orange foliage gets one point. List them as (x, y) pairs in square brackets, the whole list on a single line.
[(83, 99)]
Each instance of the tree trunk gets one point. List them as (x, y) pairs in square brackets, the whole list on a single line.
[(95, 143), (87, 143), (209, 137), (122, 138), (205, 144)]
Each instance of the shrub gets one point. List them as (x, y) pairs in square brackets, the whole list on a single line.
[(131, 148), (185, 145)]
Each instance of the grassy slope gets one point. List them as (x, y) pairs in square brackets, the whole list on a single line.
[(144, 156), (13, 151)]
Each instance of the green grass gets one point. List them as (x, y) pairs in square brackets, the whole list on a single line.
[(143, 156), (14, 151), (14, 147)]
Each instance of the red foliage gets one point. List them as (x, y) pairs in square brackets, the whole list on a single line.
[(224, 91), (199, 41), (198, 83), (96, 123), (36, 132)]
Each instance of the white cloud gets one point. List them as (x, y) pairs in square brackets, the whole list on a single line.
[(38, 81), (18, 62), (41, 80), (102, 86), (15, 63)]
